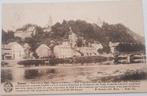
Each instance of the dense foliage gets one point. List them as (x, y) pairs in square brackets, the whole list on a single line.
[(90, 32)]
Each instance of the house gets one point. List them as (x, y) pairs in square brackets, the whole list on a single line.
[(13, 51), (91, 50), (6, 52), (88, 51), (22, 34), (47, 29), (43, 51), (65, 51), (113, 46), (97, 46)]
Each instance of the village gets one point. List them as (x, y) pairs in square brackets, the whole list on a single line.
[(67, 52), (57, 44)]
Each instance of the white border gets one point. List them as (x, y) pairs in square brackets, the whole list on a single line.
[(46, 1)]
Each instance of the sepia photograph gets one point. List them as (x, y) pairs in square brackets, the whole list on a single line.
[(73, 42)]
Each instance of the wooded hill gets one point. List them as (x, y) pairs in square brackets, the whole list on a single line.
[(89, 31)]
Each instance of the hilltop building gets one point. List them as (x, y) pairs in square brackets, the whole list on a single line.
[(23, 33), (99, 22)]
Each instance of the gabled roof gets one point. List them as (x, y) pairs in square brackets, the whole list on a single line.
[(42, 47), (11, 44)]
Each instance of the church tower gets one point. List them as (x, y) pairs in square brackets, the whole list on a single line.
[(49, 25), (72, 38), (99, 22)]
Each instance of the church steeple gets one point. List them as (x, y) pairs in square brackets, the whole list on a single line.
[(50, 21), (99, 22), (72, 38), (49, 25)]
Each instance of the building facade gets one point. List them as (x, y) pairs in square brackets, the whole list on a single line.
[(13, 51), (43, 51), (31, 30)]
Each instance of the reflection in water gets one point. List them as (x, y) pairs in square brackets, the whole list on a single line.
[(51, 71), (18, 74), (6, 75), (75, 74), (31, 74), (39, 73), (21, 74)]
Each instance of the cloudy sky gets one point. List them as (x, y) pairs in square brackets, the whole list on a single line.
[(127, 12)]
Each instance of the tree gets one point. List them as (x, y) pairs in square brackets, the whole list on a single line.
[(4, 37), (7, 36), (32, 42), (27, 50)]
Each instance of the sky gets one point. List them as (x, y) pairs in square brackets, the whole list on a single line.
[(127, 12)]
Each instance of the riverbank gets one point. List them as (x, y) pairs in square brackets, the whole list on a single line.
[(77, 73)]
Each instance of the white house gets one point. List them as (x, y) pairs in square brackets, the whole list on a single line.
[(97, 46), (6, 52), (17, 51), (43, 51), (65, 51), (113, 46), (90, 50)]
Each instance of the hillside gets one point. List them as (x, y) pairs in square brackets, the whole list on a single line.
[(89, 32), (108, 32)]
